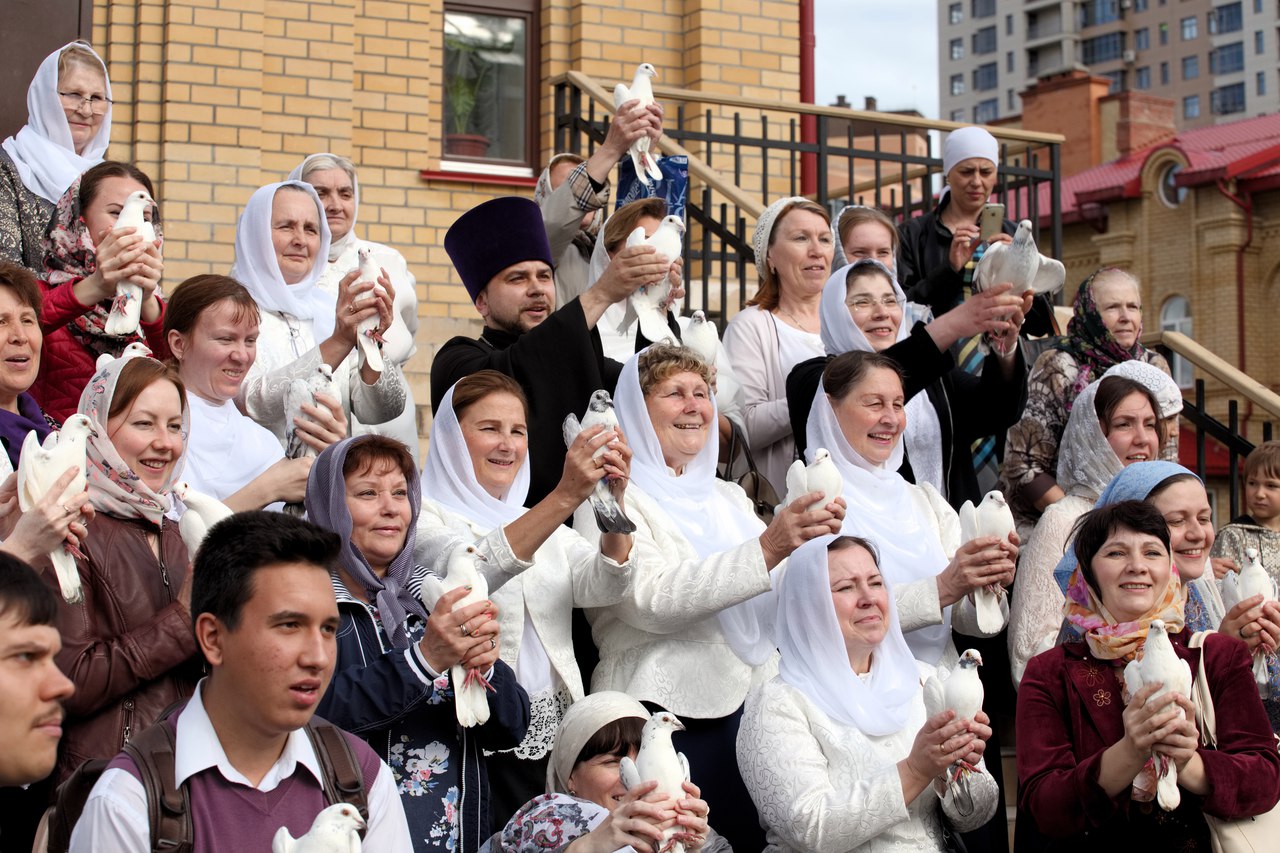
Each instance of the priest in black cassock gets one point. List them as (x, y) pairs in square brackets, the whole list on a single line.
[(502, 255)]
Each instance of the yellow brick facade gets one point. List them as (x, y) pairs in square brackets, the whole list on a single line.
[(216, 97)]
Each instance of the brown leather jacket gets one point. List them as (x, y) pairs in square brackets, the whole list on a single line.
[(129, 645)]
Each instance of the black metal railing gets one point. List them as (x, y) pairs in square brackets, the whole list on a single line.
[(884, 160)]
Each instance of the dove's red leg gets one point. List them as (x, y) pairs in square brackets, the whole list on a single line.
[(474, 676)]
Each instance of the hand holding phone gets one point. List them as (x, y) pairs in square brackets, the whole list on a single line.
[(990, 222)]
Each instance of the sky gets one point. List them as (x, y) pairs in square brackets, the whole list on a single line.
[(884, 48)]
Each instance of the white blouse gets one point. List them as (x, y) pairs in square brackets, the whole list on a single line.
[(225, 450), (822, 785)]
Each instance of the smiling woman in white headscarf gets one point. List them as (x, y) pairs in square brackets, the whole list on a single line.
[(282, 247), (696, 629), (335, 182), (859, 418), (474, 485), (67, 130), (838, 751)]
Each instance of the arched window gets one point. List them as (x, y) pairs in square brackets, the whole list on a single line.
[(1175, 316)]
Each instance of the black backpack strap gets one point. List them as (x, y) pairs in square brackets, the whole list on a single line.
[(343, 780), (168, 809)]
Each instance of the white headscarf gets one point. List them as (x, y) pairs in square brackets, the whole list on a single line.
[(710, 521), (1167, 393), (881, 508), (923, 438), (258, 269), (580, 723), (1086, 462), (764, 229), (42, 150), (963, 144), (814, 656), (449, 478), (336, 247)]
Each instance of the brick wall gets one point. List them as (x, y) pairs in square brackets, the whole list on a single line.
[(217, 97)]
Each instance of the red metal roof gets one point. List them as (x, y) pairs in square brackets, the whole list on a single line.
[(1248, 150)]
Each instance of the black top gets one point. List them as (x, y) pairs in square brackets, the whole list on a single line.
[(969, 406), (926, 275), (559, 363)]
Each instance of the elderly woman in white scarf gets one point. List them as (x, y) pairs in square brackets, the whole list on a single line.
[(859, 417), (864, 309), (474, 485), (587, 806), (1113, 423), (67, 131), (839, 750), (335, 182), (282, 248), (696, 630)]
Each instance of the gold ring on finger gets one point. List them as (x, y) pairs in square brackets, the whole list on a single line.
[(493, 643), (463, 629)]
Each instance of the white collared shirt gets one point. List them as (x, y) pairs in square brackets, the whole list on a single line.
[(115, 815)]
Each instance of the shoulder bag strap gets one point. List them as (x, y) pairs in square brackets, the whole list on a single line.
[(1206, 721), (343, 781), (168, 809)]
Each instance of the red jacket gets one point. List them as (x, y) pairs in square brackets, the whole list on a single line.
[(1069, 712), (65, 365)]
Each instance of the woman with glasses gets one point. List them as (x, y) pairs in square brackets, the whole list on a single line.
[(862, 309), (67, 130)]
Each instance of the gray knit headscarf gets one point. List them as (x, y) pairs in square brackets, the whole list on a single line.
[(326, 504)]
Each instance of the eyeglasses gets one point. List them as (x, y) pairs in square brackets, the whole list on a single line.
[(863, 304), (75, 102)]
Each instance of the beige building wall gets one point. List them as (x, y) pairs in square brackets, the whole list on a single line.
[(217, 97)]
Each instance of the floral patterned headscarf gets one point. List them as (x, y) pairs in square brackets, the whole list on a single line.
[(70, 255), (1090, 342), (114, 488), (1110, 639)]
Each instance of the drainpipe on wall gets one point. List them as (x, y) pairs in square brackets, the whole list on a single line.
[(1245, 202), (808, 123)]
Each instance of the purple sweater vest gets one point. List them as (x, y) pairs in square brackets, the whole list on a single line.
[(229, 816)]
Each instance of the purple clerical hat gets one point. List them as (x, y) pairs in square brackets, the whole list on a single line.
[(492, 236)]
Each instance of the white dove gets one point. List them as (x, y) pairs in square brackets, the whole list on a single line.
[(1160, 663), (367, 335), (1252, 580), (821, 475), (335, 830), (469, 686), (650, 301), (133, 350), (646, 167), (609, 516), (657, 760), (960, 690), (701, 337), (1021, 263), (991, 518), (126, 308), (300, 391), (201, 513), (39, 467)]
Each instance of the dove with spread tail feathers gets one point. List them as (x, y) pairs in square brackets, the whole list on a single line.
[(821, 475), (367, 335), (658, 761), (1020, 263), (609, 515), (471, 704), (335, 830), (200, 513), (649, 302), (1252, 580), (641, 89), (1160, 663), (133, 350), (126, 308), (992, 517), (39, 467)]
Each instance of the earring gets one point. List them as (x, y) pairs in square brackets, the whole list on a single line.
[(573, 793)]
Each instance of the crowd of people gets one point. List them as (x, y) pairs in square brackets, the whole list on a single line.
[(472, 650)]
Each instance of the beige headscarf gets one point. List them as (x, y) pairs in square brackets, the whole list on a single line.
[(583, 719)]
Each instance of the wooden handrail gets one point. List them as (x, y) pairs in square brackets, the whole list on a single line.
[(1218, 368), (697, 167), (914, 122)]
